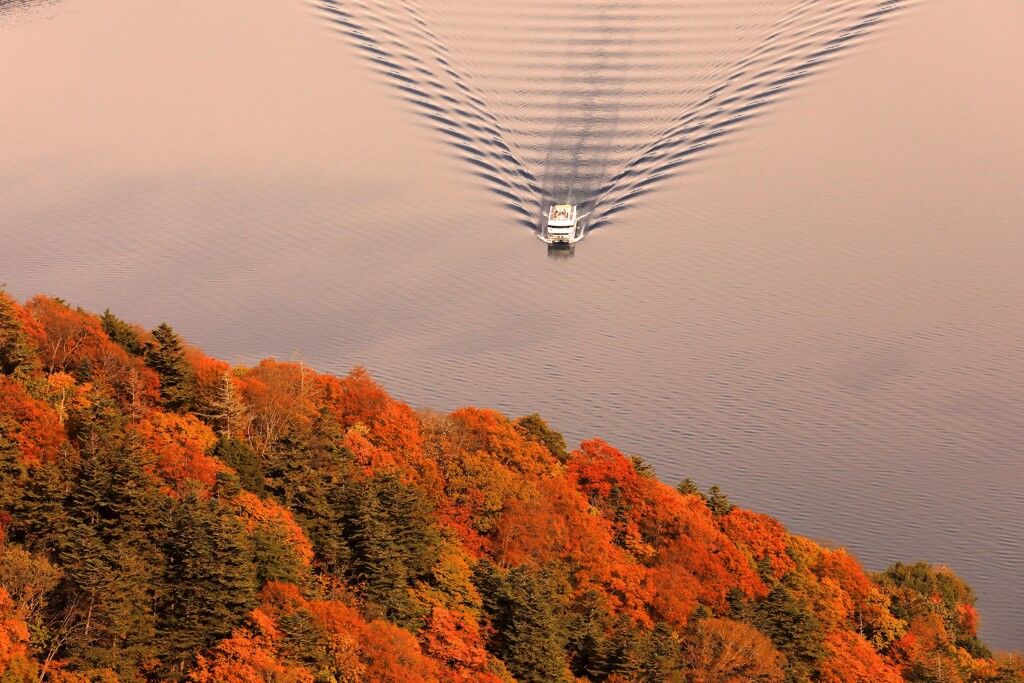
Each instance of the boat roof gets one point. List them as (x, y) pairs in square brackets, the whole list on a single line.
[(562, 215)]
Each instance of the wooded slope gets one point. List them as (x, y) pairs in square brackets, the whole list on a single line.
[(164, 516)]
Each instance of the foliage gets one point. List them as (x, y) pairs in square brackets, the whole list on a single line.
[(164, 516), (534, 428), (166, 356)]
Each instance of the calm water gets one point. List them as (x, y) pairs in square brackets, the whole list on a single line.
[(803, 275)]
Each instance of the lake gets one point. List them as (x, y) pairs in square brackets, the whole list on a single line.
[(802, 278)]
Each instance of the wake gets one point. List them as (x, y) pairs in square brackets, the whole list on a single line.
[(594, 103)]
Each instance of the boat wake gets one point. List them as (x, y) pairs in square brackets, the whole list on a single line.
[(594, 103)]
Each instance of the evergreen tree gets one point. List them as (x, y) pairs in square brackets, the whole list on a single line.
[(389, 527), (307, 642), (112, 563), (166, 355), (796, 632), (601, 644), (122, 333), (687, 487), (642, 467), (210, 580), (718, 502), (12, 473), (112, 586), (312, 479), (243, 460), (41, 521), (527, 609), (658, 656), (535, 428)]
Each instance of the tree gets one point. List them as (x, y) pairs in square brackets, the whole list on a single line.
[(12, 474), (1011, 669), (535, 428), (602, 644), (122, 333), (642, 467), (17, 355), (718, 502), (243, 460), (726, 651), (166, 356), (210, 579), (393, 545), (688, 488), (920, 589), (70, 335), (228, 409), (527, 609), (794, 629), (851, 659)]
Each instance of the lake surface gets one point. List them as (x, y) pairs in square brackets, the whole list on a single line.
[(802, 279)]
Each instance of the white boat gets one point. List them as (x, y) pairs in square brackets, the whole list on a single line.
[(563, 225)]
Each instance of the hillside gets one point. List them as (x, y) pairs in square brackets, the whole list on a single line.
[(165, 516)]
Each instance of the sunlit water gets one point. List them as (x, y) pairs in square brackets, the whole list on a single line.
[(802, 279)]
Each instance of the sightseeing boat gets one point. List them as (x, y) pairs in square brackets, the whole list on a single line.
[(563, 226)]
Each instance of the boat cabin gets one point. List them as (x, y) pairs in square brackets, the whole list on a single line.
[(563, 224)]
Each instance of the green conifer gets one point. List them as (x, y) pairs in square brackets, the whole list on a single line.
[(795, 631), (687, 487), (527, 607), (243, 460), (122, 333), (535, 428), (718, 502), (166, 355), (210, 579)]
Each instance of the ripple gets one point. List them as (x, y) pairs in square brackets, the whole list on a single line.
[(595, 103)]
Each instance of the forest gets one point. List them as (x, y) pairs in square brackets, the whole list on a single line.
[(165, 516)]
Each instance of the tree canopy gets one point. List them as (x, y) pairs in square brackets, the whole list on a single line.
[(164, 516)]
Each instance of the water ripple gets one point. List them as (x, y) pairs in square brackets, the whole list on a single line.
[(595, 103)]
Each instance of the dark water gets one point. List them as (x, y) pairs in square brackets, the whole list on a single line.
[(802, 279)]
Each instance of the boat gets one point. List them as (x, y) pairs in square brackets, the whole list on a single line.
[(563, 226)]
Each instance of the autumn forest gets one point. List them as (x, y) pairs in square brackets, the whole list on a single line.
[(166, 516)]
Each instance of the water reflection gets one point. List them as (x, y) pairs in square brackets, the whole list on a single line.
[(561, 252)]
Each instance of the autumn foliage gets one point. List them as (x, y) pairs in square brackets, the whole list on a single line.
[(164, 515)]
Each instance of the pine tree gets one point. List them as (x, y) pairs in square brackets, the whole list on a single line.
[(209, 580), (642, 467), (122, 333), (389, 527), (166, 355), (527, 609), (718, 502), (243, 460), (40, 516), (601, 644), (794, 630), (658, 656), (687, 487), (12, 474), (535, 428), (111, 558)]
